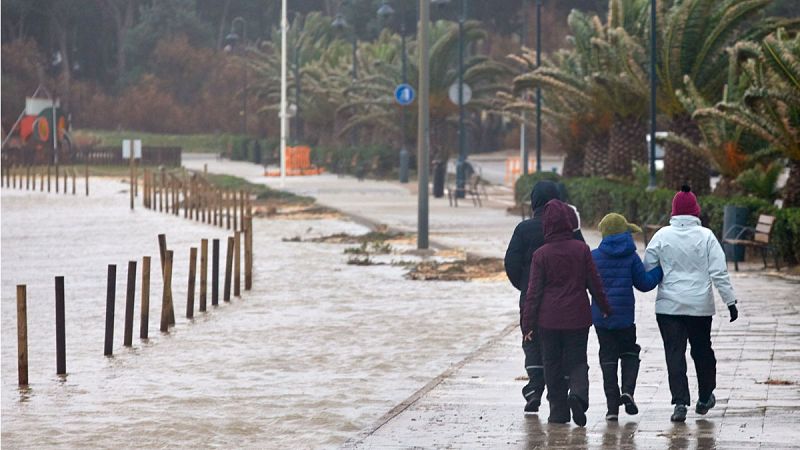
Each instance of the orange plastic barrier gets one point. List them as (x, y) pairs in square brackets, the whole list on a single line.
[(298, 163), (514, 168)]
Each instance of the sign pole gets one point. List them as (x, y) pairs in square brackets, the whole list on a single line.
[(283, 115)]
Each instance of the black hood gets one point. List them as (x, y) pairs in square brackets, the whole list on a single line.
[(543, 192)]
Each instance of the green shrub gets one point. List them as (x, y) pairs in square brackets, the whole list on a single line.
[(596, 197)]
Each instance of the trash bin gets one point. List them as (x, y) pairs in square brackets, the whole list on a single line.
[(439, 175), (734, 218), (404, 160)]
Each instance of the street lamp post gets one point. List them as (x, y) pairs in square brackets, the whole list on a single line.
[(653, 85), (423, 132), (298, 121), (523, 145), (538, 89), (232, 39), (384, 12), (340, 23), (462, 138)]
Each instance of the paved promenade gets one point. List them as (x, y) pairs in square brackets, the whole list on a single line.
[(477, 402)]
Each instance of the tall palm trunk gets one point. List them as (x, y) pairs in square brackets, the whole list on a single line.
[(626, 144), (595, 163), (573, 162), (681, 165), (791, 192)]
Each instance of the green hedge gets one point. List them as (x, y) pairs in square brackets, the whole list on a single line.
[(336, 159), (595, 197), (243, 148)]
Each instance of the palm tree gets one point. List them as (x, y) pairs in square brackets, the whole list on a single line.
[(692, 41), (372, 105), (623, 82), (574, 104), (770, 108)]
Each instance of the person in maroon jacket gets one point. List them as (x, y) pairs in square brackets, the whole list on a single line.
[(557, 307)]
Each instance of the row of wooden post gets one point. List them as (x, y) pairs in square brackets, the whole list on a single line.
[(24, 177), (199, 199), (232, 278)]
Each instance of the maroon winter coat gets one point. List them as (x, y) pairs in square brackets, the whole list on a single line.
[(561, 271)]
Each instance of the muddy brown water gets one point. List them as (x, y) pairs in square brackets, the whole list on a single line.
[(315, 352)]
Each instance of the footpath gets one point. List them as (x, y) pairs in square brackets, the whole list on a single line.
[(477, 402)]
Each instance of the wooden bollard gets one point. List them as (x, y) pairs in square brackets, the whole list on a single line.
[(57, 184), (162, 247), (13, 177), (110, 294), (129, 300), (48, 178), (162, 187), (241, 210), (33, 179), (74, 175), (203, 273), (41, 182), (235, 207), (227, 197), (165, 298), (86, 176), (27, 177), (237, 266), (192, 271), (145, 317), (248, 253), (228, 269), (22, 335), (66, 180), (61, 340), (215, 272)]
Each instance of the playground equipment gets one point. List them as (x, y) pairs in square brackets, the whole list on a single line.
[(298, 163), (40, 135)]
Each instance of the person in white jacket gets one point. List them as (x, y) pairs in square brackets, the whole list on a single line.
[(692, 260)]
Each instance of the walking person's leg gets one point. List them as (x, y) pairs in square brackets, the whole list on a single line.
[(629, 360), (609, 355), (554, 375), (535, 368), (674, 335), (705, 363), (576, 366)]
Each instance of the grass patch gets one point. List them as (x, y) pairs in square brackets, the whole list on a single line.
[(261, 191), (190, 143)]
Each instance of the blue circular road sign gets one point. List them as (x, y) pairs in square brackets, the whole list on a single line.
[(404, 94)]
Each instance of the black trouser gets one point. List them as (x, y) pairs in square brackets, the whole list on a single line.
[(565, 369), (534, 367), (618, 345), (675, 330)]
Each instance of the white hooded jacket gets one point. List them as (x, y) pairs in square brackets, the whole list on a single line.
[(691, 258)]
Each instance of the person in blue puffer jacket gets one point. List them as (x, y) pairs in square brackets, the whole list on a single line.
[(621, 270)]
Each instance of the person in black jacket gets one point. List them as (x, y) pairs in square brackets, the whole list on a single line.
[(527, 238)]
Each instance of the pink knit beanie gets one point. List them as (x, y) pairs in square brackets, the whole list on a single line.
[(685, 203)]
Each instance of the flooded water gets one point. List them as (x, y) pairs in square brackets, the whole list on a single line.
[(314, 353)]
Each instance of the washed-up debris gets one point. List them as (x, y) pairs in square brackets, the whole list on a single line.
[(776, 382), (471, 268), (292, 211)]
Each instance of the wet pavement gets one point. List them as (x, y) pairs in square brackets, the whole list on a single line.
[(480, 405), (477, 402)]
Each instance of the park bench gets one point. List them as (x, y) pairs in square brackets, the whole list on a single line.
[(759, 237), (474, 188)]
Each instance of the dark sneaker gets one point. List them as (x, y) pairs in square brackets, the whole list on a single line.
[(703, 408), (612, 416), (561, 420), (532, 407), (630, 405), (679, 415), (578, 414)]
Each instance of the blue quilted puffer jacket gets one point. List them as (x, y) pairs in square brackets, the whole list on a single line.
[(621, 270)]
